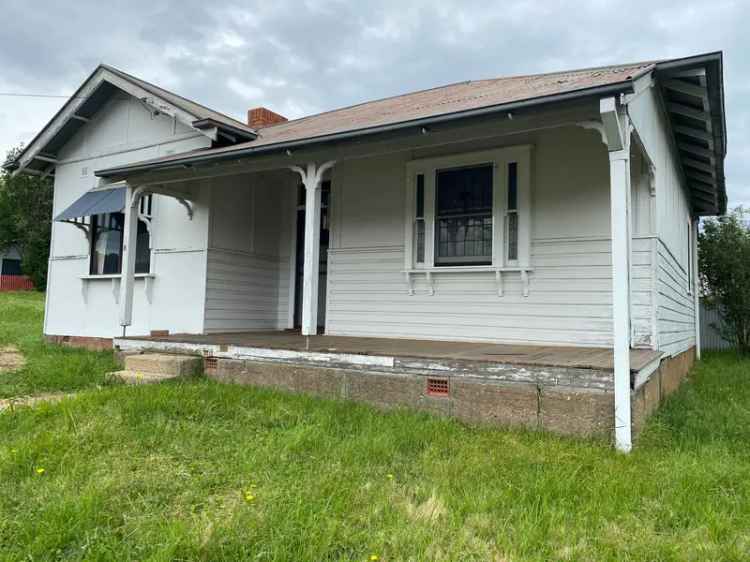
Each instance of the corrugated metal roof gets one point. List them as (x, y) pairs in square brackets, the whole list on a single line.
[(453, 98), (433, 103)]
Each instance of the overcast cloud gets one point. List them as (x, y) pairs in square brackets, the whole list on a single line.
[(304, 57)]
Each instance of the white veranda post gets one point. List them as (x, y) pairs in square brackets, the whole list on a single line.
[(312, 177), (614, 129), (129, 240), (619, 169)]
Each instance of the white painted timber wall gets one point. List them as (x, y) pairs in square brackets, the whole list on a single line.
[(123, 131), (675, 311), (249, 258), (570, 297)]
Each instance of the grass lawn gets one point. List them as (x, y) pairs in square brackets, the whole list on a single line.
[(49, 368), (200, 471)]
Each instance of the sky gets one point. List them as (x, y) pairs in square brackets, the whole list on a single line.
[(298, 58)]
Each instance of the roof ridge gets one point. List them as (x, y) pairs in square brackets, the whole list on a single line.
[(171, 93), (424, 90)]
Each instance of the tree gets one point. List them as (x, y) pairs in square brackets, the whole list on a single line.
[(26, 220), (724, 260)]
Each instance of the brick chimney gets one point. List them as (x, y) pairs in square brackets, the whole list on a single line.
[(260, 117)]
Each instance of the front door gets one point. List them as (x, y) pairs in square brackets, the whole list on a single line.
[(325, 196)]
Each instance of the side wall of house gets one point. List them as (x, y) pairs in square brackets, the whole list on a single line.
[(249, 254), (675, 312), (124, 131), (569, 299)]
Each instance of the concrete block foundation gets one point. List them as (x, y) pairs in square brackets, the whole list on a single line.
[(475, 398)]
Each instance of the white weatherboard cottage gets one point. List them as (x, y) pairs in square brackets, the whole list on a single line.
[(548, 210)]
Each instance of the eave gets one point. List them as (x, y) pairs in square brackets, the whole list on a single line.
[(692, 92)]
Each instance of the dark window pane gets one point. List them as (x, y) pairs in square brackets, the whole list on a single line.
[(420, 195), (142, 250), (325, 193), (464, 216), (512, 236), (419, 235), (465, 190), (11, 267), (512, 186)]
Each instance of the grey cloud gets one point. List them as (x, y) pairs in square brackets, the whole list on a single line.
[(311, 56)]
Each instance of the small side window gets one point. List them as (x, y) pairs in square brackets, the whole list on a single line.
[(511, 215), (419, 227)]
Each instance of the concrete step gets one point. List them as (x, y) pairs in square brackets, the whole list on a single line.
[(140, 377), (164, 364)]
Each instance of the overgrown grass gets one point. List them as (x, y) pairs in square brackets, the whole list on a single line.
[(202, 471), (48, 368)]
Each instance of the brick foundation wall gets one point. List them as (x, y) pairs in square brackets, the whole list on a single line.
[(663, 382), (85, 342), (567, 410)]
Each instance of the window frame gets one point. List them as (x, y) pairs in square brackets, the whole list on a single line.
[(499, 158), (145, 216)]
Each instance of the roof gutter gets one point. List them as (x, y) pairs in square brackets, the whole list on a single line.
[(625, 86)]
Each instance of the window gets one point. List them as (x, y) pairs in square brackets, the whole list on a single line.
[(469, 210), (511, 213), (463, 216), (419, 227), (11, 266), (106, 243), (107, 238)]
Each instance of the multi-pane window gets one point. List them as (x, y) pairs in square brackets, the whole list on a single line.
[(469, 210), (463, 216), (511, 214), (107, 239)]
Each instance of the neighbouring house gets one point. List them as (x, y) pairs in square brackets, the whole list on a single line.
[(11, 275), (519, 250)]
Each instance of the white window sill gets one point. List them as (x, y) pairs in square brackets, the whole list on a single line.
[(116, 276), (465, 269), (428, 272)]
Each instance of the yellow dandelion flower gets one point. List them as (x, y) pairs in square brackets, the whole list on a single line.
[(374, 557), (40, 470), (390, 476)]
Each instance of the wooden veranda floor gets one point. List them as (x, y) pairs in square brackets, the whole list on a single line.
[(536, 355)]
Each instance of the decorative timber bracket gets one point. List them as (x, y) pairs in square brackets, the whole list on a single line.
[(609, 127)]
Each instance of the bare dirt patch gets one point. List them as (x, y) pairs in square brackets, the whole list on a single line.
[(11, 359), (20, 401)]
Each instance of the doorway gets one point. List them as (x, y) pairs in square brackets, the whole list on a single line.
[(325, 197)]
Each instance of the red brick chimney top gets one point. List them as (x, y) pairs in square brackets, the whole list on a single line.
[(260, 117)]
